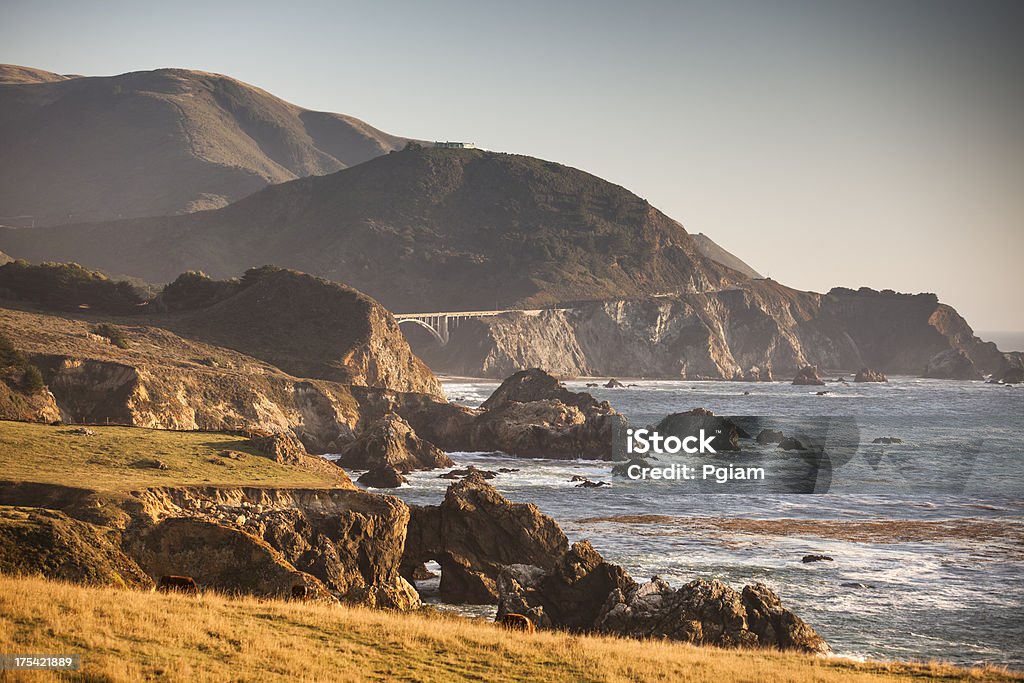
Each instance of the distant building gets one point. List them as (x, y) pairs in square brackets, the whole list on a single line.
[(455, 145)]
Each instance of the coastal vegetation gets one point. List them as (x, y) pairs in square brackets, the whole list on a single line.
[(126, 635)]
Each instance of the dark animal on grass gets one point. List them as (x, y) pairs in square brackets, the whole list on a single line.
[(518, 622), (178, 584)]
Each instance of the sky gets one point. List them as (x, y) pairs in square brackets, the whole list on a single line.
[(828, 143)]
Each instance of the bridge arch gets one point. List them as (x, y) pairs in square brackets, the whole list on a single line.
[(427, 326)]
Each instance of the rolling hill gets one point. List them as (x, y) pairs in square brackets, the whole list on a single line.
[(420, 229), (159, 142)]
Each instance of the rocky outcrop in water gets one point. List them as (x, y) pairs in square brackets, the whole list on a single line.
[(473, 534), (951, 364), (808, 376), (531, 415), (724, 434), (585, 593), (391, 442), (869, 375)]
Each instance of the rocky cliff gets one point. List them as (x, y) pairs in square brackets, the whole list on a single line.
[(755, 330)]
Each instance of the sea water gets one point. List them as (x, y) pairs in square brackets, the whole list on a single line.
[(927, 535)]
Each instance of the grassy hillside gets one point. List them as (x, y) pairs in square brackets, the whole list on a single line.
[(120, 459), (158, 142), (129, 636), (421, 229)]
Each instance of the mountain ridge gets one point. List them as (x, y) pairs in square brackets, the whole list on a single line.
[(158, 142)]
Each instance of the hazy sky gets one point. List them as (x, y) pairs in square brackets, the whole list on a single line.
[(826, 143)]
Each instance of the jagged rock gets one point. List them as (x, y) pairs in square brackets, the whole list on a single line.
[(471, 471), (52, 544), (382, 477), (951, 364), (766, 436), (790, 444), (816, 558), (823, 393), (613, 384), (281, 447), (587, 484), (808, 375), (869, 375), (584, 593), (756, 374), (887, 440), (725, 433), (390, 441), (531, 415), (473, 534)]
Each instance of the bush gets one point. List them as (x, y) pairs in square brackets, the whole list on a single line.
[(68, 286), (9, 355), (113, 333), (32, 380)]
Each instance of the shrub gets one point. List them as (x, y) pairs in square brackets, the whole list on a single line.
[(32, 380), (113, 333), (9, 355)]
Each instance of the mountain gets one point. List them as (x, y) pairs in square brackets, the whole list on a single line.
[(158, 142), (709, 249), (421, 229)]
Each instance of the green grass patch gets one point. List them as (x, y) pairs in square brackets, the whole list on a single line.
[(127, 458)]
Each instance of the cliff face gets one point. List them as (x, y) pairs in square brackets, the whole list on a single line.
[(166, 381), (307, 326), (755, 331)]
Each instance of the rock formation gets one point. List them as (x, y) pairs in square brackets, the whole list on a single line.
[(869, 375), (531, 415), (473, 534), (585, 593), (808, 375), (952, 364), (382, 477), (50, 543), (725, 434), (391, 442)]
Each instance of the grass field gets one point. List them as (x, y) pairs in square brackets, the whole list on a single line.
[(122, 459), (129, 636)]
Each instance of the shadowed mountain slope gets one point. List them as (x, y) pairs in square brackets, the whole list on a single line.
[(421, 229), (157, 142)]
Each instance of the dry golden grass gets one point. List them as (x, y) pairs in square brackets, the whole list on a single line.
[(115, 458), (130, 636)]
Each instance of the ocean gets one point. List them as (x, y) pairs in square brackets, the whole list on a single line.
[(927, 536)]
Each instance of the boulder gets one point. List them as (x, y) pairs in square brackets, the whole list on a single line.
[(584, 593), (726, 433), (807, 559), (790, 444), (869, 375), (808, 376), (613, 384), (531, 415), (391, 442), (473, 534), (756, 374), (887, 440), (951, 364), (382, 477), (282, 447), (766, 436), (471, 471)]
